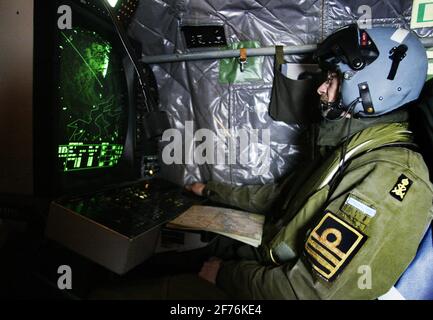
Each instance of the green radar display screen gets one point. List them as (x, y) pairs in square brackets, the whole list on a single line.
[(93, 111)]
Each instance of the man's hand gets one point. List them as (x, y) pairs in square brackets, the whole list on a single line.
[(210, 269), (196, 188)]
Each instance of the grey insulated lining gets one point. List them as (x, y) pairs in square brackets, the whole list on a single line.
[(190, 91)]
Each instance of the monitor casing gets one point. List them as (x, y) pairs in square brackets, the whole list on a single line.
[(29, 76), (30, 181)]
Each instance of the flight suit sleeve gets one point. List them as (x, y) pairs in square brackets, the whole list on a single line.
[(254, 198), (358, 246)]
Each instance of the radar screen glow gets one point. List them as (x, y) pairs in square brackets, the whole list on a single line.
[(93, 117)]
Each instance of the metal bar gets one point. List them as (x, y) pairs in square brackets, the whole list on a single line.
[(253, 52), (222, 54)]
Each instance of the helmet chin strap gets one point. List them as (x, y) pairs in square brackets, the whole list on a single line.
[(350, 108)]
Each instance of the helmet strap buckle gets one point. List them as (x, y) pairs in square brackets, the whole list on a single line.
[(364, 93)]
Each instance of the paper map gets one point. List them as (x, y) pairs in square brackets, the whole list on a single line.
[(243, 226)]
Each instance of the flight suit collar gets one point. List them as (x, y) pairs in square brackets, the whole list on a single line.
[(332, 133)]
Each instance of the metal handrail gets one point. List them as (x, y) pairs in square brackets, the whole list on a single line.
[(252, 52)]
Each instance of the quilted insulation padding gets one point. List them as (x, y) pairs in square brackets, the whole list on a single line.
[(190, 91)]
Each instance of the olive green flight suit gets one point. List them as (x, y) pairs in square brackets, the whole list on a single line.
[(351, 241)]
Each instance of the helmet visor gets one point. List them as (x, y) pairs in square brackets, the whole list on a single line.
[(349, 45)]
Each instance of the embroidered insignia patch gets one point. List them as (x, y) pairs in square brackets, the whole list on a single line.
[(331, 246), (401, 188), (354, 204)]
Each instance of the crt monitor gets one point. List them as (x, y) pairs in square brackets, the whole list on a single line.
[(68, 100), (93, 93)]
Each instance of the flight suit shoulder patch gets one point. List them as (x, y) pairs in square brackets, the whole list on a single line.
[(331, 245), (401, 188), (355, 205)]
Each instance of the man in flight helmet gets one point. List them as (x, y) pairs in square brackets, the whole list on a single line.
[(362, 208), (349, 224)]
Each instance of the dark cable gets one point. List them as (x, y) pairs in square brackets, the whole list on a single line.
[(345, 144), (131, 54)]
